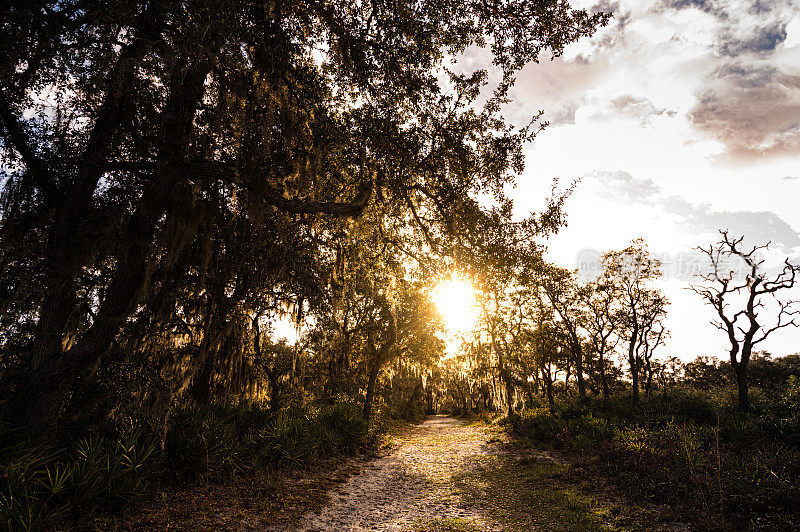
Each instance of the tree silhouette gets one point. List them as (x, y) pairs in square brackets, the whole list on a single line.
[(738, 302), (603, 322), (642, 306), (568, 299)]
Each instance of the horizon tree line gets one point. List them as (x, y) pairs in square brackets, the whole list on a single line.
[(541, 320)]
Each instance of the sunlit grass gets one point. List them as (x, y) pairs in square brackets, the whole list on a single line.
[(446, 524)]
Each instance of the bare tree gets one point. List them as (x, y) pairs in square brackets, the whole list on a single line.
[(743, 324)]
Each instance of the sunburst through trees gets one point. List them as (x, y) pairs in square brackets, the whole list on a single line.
[(184, 182)]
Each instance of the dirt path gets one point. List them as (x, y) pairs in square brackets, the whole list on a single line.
[(413, 484), (441, 475), (448, 475)]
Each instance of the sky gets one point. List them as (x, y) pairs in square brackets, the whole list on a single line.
[(680, 118)]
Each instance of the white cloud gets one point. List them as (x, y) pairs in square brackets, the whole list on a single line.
[(652, 111), (792, 33)]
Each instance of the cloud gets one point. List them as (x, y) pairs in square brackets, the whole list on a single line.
[(558, 86), (757, 226), (561, 114), (748, 98), (632, 107), (758, 40), (706, 6), (754, 109), (622, 186)]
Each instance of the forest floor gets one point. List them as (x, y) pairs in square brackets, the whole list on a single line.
[(444, 474)]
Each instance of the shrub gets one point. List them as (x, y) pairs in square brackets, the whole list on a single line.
[(46, 486), (536, 425), (690, 449), (42, 486), (344, 427)]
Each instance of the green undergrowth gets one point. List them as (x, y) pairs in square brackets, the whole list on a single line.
[(687, 450), (446, 524), (47, 484), (532, 493)]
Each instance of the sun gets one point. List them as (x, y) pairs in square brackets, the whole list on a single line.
[(455, 299)]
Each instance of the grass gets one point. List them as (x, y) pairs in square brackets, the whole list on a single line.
[(446, 525), (691, 452), (538, 494)]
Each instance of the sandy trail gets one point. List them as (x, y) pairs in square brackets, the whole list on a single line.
[(412, 483)]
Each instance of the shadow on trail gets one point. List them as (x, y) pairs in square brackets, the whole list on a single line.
[(529, 493), (447, 474)]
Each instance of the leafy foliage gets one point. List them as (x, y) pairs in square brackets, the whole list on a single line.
[(42, 485), (690, 449), (46, 486)]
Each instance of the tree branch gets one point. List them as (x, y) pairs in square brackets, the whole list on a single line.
[(19, 140)]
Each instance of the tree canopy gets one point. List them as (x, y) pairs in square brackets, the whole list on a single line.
[(174, 169)]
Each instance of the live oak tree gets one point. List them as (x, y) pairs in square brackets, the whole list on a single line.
[(506, 261), (642, 307), (461, 377), (374, 316), (520, 332), (567, 297), (170, 167), (539, 325), (653, 335), (739, 302), (500, 320), (545, 341), (418, 347), (603, 321)]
